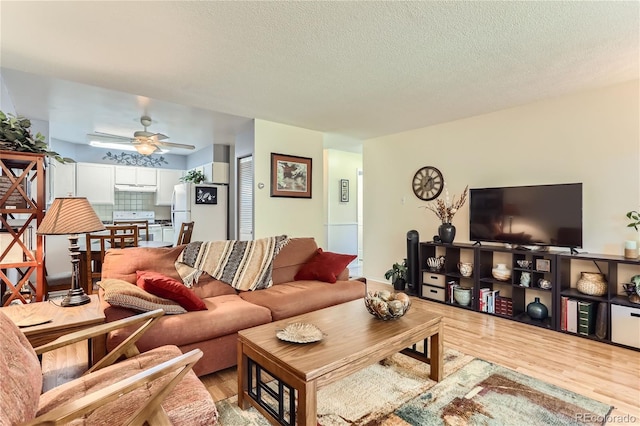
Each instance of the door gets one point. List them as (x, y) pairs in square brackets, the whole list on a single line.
[(245, 198)]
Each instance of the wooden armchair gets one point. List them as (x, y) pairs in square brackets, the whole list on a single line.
[(155, 387)]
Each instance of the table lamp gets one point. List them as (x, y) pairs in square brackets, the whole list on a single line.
[(71, 216)]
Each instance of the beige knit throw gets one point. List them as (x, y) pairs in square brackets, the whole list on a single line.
[(244, 265)]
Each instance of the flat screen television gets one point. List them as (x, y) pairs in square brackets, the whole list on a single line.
[(537, 215)]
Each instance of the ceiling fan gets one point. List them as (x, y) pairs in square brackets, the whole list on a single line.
[(145, 142)]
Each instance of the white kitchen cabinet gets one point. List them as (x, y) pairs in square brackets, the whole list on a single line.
[(155, 232), (167, 234), (62, 180), (96, 182), (146, 176), (166, 179), (135, 176), (214, 172)]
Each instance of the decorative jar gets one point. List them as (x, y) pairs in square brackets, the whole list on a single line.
[(501, 272), (462, 295), (465, 268), (537, 310), (592, 284), (525, 279)]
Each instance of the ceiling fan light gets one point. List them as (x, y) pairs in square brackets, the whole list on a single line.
[(145, 149)]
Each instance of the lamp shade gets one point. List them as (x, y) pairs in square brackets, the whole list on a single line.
[(70, 215), (145, 148)]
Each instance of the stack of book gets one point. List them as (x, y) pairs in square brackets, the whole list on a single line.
[(488, 300), (578, 316), (450, 286), (504, 306)]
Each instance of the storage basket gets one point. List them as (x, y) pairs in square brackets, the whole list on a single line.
[(592, 284)]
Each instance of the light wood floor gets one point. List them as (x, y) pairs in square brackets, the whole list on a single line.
[(606, 373)]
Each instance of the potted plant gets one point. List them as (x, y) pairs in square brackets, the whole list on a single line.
[(15, 135), (195, 176), (398, 275)]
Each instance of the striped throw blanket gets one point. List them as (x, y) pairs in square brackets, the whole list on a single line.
[(245, 265)]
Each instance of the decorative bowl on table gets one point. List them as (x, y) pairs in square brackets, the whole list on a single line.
[(387, 305)]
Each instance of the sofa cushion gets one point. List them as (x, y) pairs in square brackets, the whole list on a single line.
[(189, 403), (123, 264), (324, 266), (224, 315), (291, 258), (299, 297), (21, 375), (169, 288), (127, 295)]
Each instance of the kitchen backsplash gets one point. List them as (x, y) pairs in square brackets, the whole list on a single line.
[(132, 201)]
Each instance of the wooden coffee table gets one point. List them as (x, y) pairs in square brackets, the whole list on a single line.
[(353, 339)]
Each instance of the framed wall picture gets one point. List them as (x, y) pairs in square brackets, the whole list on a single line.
[(543, 265), (344, 190), (206, 195), (290, 176)]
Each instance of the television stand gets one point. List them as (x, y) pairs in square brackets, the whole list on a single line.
[(477, 243), (574, 251)]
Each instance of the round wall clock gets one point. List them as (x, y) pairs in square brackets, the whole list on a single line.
[(427, 183)]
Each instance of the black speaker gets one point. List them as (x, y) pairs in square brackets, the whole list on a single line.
[(413, 263)]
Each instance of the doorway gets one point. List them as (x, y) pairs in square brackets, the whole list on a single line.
[(245, 198)]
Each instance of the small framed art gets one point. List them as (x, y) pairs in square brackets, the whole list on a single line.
[(206, 195), (344, 190), (290, 176), (543, 265)]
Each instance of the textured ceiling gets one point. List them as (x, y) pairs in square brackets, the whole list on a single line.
[(361, 69)]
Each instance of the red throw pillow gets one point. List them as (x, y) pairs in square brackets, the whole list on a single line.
[(169, 288), (324, 266)]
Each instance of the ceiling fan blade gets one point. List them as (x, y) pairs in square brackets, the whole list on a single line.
[(175, 145), (160, 136), (110, 137)]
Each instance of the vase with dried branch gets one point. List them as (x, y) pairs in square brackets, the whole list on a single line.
[(445, 210)]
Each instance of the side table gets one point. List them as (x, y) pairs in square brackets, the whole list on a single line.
[(60, 321)]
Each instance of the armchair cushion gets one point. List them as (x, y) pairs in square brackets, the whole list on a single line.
[(185, 407), (21, 375)]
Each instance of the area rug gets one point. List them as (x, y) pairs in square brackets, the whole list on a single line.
[(398, 392)]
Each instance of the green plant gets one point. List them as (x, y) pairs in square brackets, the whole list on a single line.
[(397, 271), (195, 176), (15, 135), (635, 219)]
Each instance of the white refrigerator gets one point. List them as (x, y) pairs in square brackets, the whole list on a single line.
[(204, 204)]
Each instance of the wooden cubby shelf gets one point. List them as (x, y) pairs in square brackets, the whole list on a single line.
[(610, 319)]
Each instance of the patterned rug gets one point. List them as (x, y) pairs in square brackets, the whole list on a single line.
[(398, 392)]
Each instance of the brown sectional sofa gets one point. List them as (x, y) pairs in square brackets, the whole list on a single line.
[(214, 331)]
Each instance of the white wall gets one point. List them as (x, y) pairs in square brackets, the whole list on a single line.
[(592, 137), (295, 217)]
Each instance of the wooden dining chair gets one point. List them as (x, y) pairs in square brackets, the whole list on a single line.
[(186, 229), (119, 236), (123, 236), (141, 224)]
